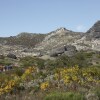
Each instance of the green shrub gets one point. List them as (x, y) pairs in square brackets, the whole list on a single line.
[(5, 62), (61, 61), (19, 71), (98, 56), (64, 61), (32, 61), (97, 92), (64, 96)]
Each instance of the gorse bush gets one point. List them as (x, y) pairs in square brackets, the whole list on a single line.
[(61, 76), (9, 83)]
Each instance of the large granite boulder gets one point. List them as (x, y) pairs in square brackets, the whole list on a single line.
[(66, 49), (13, 56)]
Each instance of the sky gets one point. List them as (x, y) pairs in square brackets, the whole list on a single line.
[(43, 16)]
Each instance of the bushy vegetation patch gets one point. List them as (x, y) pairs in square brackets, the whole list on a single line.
[(64, 96)]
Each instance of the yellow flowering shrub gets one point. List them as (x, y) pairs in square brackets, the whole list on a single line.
[(78, 75), (8, 84), (66, 76), (44, 85), (28, 72)]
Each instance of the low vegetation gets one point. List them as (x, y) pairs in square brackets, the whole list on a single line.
[(64, 96), (66, 78)]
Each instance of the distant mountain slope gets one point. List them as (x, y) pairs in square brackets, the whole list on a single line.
[(35, 44), (57, 38), (60, 37), (90, 39), (24, 39), (94, 31)]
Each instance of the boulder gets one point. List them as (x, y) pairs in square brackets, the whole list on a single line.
[(66, 49), (10, 55)]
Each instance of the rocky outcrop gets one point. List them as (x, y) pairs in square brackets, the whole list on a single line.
[(57, 38), (13, 56), (94, 31), (66, 49), (90, 39)]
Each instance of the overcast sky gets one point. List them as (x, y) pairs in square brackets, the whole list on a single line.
[(42, 16)]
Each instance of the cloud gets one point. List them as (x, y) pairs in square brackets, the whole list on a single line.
[(80, 28)]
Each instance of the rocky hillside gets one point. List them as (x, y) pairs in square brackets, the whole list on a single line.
[(90, 39), (23, 39), (94, 31), (20, 45), (25, 44), (57, 38)]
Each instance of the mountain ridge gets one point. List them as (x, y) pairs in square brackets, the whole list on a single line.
[(45, 43)]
